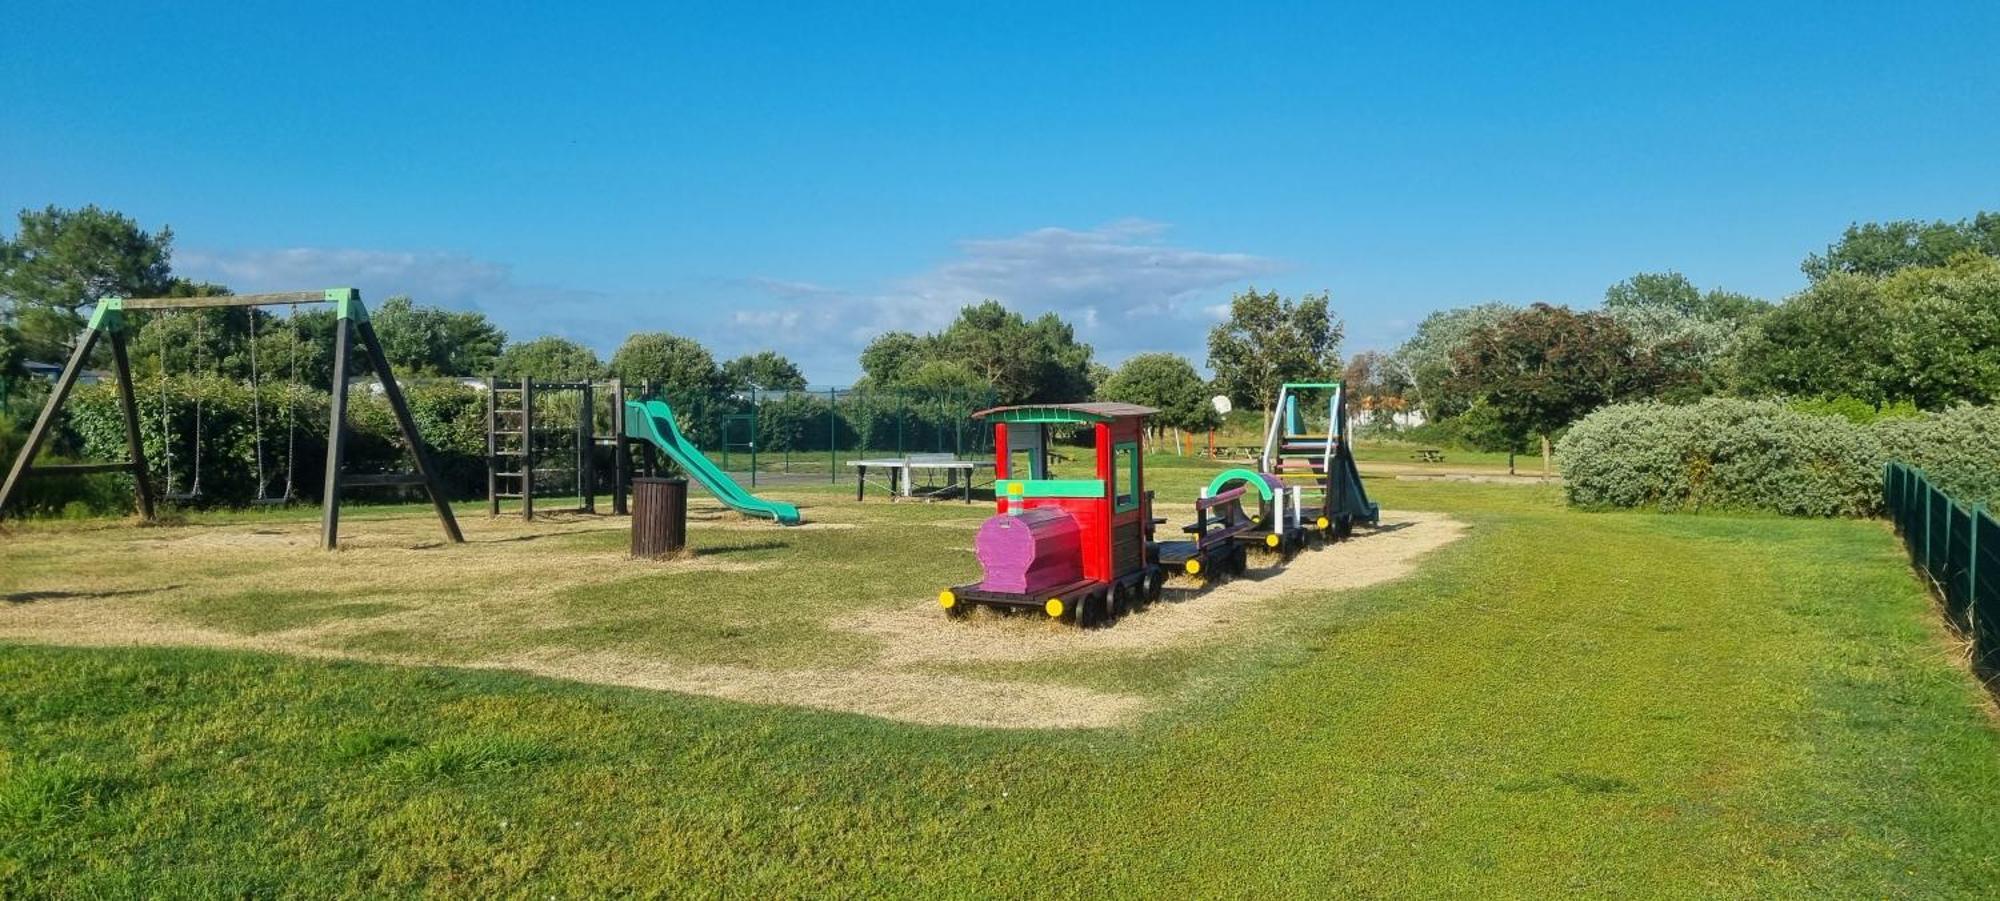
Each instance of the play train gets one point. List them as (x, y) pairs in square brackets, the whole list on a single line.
[(1085, 550)]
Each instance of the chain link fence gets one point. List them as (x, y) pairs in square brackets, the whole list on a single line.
[(813, 433)]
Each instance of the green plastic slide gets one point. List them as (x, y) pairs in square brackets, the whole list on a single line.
[(653, 420)]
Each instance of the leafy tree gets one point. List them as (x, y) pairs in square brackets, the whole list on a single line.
[(210, 341), (887, 358), (1885, 247), (1655, 290), (550, 358), (1690, 331), (945, 378), (436, 341), (1269, 340), (64, 260), (1168, 383), (217, 341), (13, 353), (1372, 373), (1376, 385), (680, 367), (1025, 362), (1099, 374), (1944, 334), (1921, 334), (1425, 360), (1017, 360), (1546, 366), (680, 370), (768, 370), (1829, 340)]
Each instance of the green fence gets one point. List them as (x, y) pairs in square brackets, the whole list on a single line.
[(1957, 549), (816, 432)]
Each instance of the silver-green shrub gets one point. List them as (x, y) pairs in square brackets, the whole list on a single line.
[(1721, 454), (1959, 449)]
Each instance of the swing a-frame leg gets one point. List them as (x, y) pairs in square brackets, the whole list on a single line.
[(108, 319), (352, 322)]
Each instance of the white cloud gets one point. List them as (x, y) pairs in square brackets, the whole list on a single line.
[(416, 274), (1122, 285), (440, 279), (1123, 267)]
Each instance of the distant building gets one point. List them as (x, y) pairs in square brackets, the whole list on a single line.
[(51, 371)]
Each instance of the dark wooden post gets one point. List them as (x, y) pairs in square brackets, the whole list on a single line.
[(652, 454), (135, 447), (586, 449), (527, 448), (659, 517), (40, 432), (492, 446), (336, 435), (407, 424), (621, 455)]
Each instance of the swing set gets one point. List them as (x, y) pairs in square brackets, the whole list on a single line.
[(264, 498), (107, 322)]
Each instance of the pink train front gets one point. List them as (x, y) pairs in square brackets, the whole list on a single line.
[(1030, 552)]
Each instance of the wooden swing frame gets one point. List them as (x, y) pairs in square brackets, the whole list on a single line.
[(107, 321)]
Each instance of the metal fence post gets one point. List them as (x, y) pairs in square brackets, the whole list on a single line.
[(832, 435), (1972, 568), (1929, 505)]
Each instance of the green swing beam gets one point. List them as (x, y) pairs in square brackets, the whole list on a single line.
[(107, 322)]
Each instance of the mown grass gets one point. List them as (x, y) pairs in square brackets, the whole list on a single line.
[(1563, 702)]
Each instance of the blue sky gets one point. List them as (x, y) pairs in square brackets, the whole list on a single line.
[(799, 178)]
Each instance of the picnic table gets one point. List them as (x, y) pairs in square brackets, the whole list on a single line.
[(1428, 455), (960, 476)]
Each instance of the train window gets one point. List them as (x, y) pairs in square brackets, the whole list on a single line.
[(1021, 464), (1125, 477)]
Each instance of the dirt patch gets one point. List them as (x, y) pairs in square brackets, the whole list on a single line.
[(490, 588), (1480, 478), (928, 698), (918, 633)]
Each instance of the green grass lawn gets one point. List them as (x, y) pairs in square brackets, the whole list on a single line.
[(1561, 702)]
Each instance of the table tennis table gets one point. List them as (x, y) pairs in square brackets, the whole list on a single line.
[(961, 476)]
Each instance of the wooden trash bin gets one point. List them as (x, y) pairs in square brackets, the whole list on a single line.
[(659, 517)]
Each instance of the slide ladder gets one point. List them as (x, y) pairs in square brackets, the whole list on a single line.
[(1320, 462), (653, 421)]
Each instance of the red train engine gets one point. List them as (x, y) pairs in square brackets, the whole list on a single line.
[(1077, 549)]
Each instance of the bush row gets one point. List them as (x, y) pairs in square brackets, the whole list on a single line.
[(1723, 454)]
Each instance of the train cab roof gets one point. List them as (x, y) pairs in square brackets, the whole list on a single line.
[(1065, 413)]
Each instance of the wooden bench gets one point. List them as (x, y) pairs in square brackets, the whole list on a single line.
[(1428, 455)]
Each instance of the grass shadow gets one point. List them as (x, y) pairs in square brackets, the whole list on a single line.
[(30, 597), (727, 549)]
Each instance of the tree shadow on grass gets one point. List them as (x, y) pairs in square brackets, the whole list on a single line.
[(31, 597), (741, 548)]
